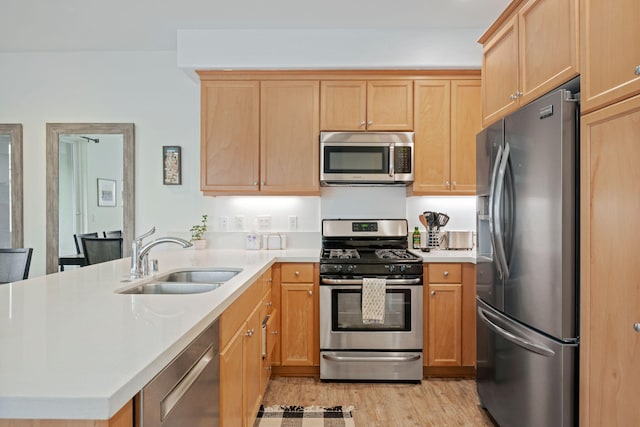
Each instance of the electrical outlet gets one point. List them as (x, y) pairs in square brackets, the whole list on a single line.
[(240, 222), (264, 222), (224, 223), (293, 222)]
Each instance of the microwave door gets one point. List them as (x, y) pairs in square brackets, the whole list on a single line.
[(357, 162)]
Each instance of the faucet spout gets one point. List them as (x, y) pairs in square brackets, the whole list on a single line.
[(139, 254)]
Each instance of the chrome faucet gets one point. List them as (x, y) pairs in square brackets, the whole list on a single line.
[(139, 252)]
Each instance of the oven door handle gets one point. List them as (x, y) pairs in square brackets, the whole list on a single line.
[(413, 281), (332, 358)]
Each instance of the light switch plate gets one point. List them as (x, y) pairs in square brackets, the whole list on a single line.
[(239, 223), (224, 223), (293, 222), (264, 222)]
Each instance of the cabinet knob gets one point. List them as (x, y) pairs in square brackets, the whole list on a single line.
[(250, 332), (370, 122), (518, 94), (433, 293), (637, 71), (454, 183), (446, 273), (269, 280), (297, 273), (362, 123), (512, 97), (255, 183), (274, 333), (262, 183), (310, 293), (270, 304), (636, 327), (446, 183)]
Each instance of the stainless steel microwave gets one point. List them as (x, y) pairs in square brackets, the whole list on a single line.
[(366, 158)]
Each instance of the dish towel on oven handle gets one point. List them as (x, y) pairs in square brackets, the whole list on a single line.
[(373, 300)]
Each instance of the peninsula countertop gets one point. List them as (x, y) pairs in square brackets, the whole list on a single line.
[(73, 348)]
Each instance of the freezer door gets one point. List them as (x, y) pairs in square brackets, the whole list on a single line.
[(524, 378), (489, 149), (539, 215)]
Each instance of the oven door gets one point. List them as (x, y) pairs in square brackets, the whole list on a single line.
[(341, 326), (356, 162)]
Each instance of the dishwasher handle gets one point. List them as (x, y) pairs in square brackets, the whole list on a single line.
[(174, 396)]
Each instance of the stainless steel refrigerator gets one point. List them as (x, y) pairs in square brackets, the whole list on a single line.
[(527, 264)]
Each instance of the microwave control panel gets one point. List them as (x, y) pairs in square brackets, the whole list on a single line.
[(402, 160)]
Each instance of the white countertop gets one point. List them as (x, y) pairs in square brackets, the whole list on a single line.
[(72, 348)]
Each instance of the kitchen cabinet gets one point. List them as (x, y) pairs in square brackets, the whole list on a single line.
[(123, 418), (260, 137), (299, 311), (528, 52), (241, 359), (447, 119), (609, 291), (449, 315), (374, 105), (610, 53), (271, 328)]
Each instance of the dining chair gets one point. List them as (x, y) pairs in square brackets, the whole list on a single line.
[(78, 239), (114, 233), (101, 249), (14, 264)]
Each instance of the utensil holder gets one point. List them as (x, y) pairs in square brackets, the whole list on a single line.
[(434, 239)]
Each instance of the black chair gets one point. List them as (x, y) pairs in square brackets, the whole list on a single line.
[(99, 249), (114, 233), (14, 264), (78, 239)]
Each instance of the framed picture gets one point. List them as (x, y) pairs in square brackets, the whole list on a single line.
[(171, 165), (106, 192)]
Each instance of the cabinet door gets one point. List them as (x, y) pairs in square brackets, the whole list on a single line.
[(610, 52), (229, 136), (232, 381), (445, 331), (390, 105), (466, 122), (610, 295), (548, 40), (289, 137), (500, 73), (297, 324), (432, 110), (343, 105), (252, 366)]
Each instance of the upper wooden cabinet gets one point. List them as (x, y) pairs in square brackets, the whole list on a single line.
[(376, 105), (610, 52), (532, 50), (260, 137), (447, 119), (230, 139)]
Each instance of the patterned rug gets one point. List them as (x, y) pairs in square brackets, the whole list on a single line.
[(304, 416)]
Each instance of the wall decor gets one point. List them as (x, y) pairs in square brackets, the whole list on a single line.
[(106, 192), (172, 165)]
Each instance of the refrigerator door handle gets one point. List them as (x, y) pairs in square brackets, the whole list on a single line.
[(499, 239), (536, 348), (492, 190)]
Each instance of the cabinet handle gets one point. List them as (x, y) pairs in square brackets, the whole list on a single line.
[(297, 273), (255, 183), (370, 122), (454, 183), (512, 97), (446, 183), (262, 183), (446, 273), (250, 332), (310, 293), (269, 280), (274, 333), (362, 123), (518, 94), (270, 304), (636, 327), (433, 293), (637, 70)]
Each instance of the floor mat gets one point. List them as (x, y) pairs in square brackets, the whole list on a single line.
[(304, 416)]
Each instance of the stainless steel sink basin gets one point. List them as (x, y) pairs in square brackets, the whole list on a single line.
[(185, 282)]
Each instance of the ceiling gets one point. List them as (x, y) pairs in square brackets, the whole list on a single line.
[(72, 25)]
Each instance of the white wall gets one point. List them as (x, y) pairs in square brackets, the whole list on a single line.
[(151, 91)]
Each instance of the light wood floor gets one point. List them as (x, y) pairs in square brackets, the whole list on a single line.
[(435, 402)]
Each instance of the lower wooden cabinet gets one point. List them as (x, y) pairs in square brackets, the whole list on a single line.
[(449, 315), (123, 418), (299, 302)]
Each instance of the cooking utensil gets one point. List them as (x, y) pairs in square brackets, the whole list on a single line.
[(442, 219), (431, 218), (423, 221)]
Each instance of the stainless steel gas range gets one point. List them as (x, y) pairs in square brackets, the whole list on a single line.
[(350, 348)]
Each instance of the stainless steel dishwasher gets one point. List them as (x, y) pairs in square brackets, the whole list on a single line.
[(186, 392)]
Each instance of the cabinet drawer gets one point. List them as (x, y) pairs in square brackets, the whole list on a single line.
[(297, 273), (445, 273)]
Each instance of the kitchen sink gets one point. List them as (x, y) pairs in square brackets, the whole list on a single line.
[(185, 282)]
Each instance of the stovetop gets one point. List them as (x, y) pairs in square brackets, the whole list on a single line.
[(368, 255)]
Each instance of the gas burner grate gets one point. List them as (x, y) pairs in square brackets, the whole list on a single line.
[(394, 254), (343, 254)]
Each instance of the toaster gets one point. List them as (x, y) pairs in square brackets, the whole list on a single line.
[(459, 240)]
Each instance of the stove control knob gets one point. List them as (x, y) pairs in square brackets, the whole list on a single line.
[(337, 267), (392, 268), (350, 268), (403, 268)]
